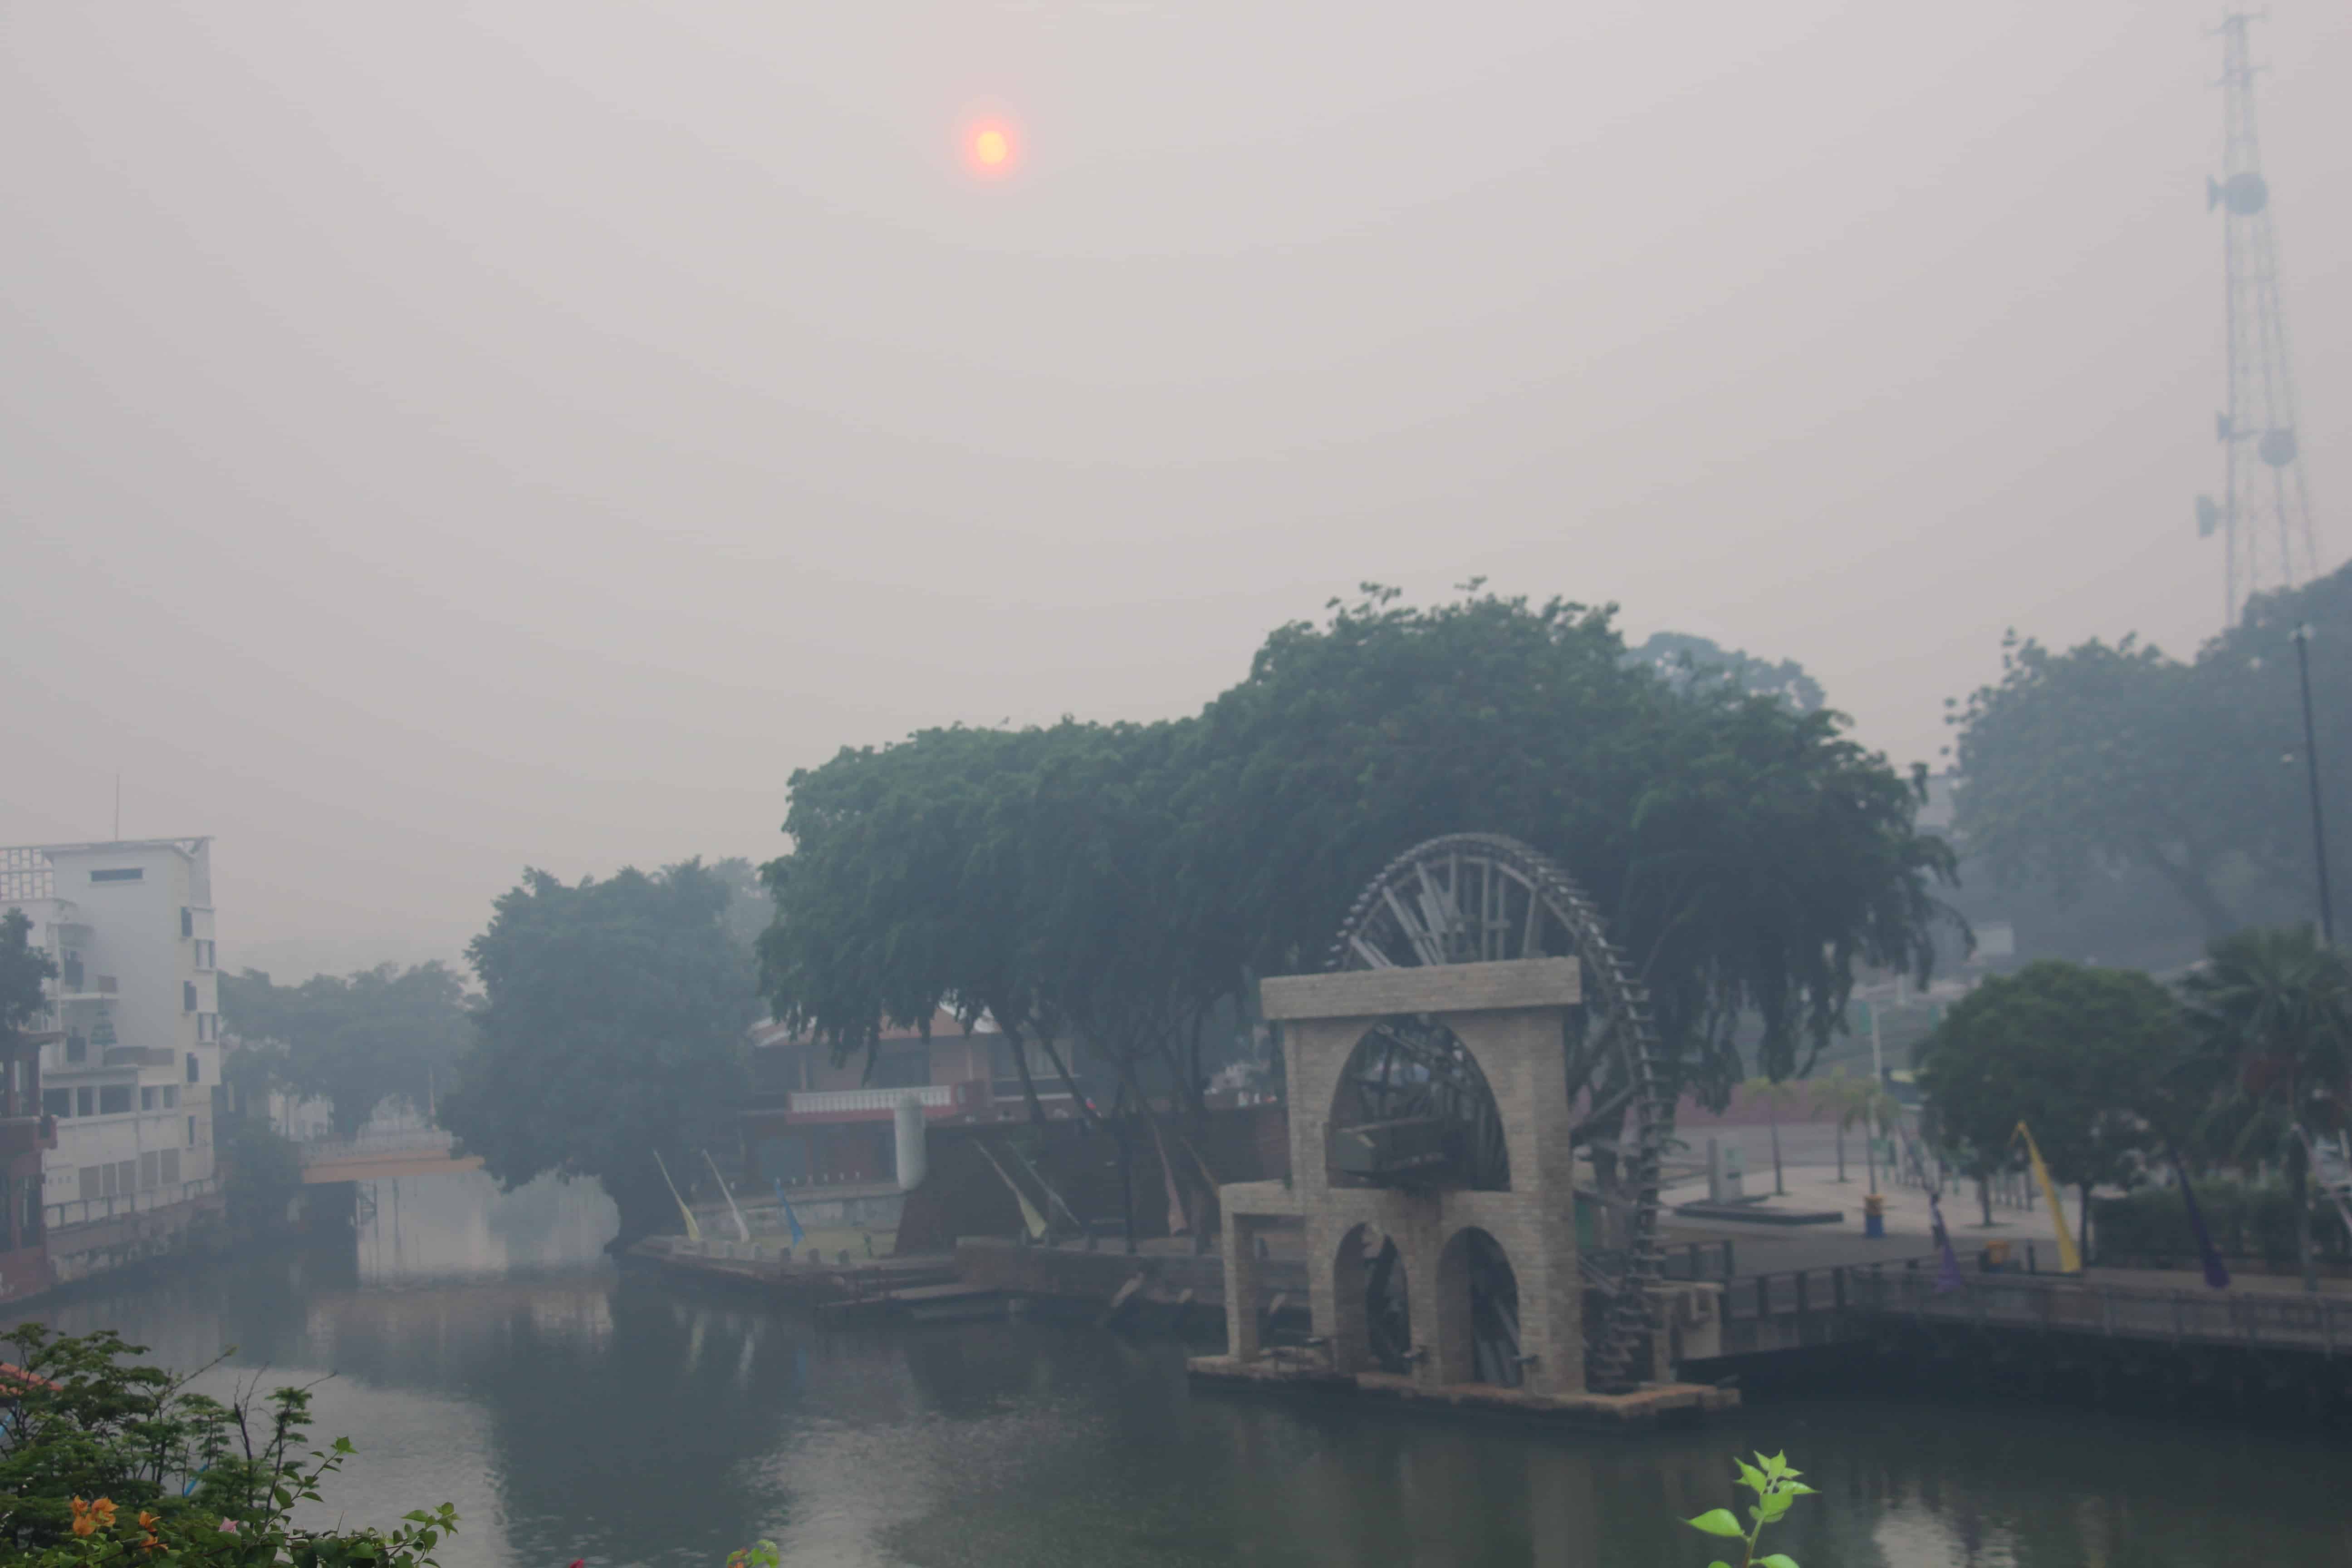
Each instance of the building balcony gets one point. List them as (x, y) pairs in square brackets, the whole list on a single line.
[(141, 1057), (75, 987), (938, 1100)]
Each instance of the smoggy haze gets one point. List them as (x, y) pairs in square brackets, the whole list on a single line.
[(435, 443)]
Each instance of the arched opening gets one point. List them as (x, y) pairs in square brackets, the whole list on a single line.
[(1412, 1110), (1478, 1299), (1375, 1326)]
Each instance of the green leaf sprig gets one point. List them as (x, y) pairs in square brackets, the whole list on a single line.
[(1776, 1488)]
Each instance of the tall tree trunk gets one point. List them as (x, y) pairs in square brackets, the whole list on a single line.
[(1984, 1199), (1772, 1110), (2298, 1195), (2189, 881), (1126, 1135), (1078, 1100), (1841, 1146), (1870, 1152), (2083, 1230), (1021, 1066)]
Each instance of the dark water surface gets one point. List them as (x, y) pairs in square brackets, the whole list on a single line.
[(482, 1354)]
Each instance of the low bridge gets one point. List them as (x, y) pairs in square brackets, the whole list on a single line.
[(375, 1159)]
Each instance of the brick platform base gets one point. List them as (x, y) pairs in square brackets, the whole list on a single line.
[(1651, 1404)]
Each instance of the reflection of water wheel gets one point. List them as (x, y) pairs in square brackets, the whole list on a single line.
[(1388, 1315), (1473, 897)]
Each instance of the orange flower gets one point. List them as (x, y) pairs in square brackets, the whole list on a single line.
[(149, 1522), (88, 1518)]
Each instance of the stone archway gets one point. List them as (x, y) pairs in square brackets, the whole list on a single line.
[(1411, 1108), (1478, 1308), (1373, 1304)]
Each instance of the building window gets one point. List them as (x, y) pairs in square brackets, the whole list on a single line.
[(7, 1212), (85, 1101), (88, 1177), (113, 1098), (171, 1097), (56, 1102), (171, 1167), (187, 921), (194, 1069), (146, 1097), (123, 874), (77, 1048), (150, 1169), (902, 1069), (192, 1131), (187, 996)]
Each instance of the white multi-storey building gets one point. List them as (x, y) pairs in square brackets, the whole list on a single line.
[(136, 1006)]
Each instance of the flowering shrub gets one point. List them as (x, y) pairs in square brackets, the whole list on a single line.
[(102, 1462)]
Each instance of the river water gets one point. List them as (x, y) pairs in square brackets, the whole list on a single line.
[(479, 1352)]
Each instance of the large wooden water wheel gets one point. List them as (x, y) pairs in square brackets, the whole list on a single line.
[(1416, 1097)]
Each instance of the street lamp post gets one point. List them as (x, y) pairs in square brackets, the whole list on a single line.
[(2311, 771)]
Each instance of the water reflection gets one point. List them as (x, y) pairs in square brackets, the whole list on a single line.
[(484, 1354)]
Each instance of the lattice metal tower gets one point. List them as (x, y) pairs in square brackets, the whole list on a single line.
[(2265, 514)]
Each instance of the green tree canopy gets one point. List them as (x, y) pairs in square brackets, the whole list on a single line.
[(353, 1040), (1683, 662), (1122, 878), (23, 970), (2078, 1054), (2271, 1009), (612, 1030), (2106, 761)]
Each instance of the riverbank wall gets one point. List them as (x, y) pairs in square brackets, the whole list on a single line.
[(194, 1228)]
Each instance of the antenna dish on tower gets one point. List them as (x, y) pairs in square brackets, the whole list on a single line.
[(2264, 511)]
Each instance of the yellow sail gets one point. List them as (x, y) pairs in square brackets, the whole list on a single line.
[(2069, 1260)]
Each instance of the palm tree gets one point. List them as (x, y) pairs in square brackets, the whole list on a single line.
[(1853, 1100), (2273, 1007), (1776, 1094)]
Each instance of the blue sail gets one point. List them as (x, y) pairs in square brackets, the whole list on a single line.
[(791, 1219)]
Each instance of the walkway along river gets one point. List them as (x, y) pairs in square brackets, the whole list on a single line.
[(483, 1351)]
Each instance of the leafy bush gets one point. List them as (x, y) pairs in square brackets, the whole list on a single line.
[(2247, 1221), (103, 1462)]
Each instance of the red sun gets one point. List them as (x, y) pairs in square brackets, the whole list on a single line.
[(990, 148)]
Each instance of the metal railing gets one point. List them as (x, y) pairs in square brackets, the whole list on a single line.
[(2048, 1303), (85, 1211), (332, 1151), (846, 1102)]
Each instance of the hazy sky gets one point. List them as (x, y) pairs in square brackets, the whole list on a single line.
[(441, 438)]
